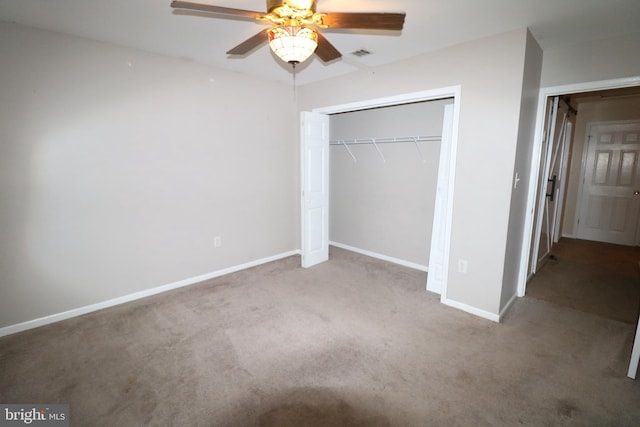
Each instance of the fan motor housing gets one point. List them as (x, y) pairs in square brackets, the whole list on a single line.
[(298, 5)]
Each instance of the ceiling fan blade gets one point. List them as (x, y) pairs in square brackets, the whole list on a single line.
[(325, 50), (249, 44), (365, 21), (215, 9)]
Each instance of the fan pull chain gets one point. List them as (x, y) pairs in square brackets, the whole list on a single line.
[(295, 95)]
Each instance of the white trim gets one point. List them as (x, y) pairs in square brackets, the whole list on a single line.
[(382, 257), (472, 310), (454, 92), (535, 160), (507, 307), (542, 202), (590, 86), (536, 157), (42, 321)]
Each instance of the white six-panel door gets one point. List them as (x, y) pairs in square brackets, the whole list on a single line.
[(610, 201), (315, 188)]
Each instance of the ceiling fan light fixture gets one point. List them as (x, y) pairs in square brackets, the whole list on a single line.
[(293, 37), (293, 44)]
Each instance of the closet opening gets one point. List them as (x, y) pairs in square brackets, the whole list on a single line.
[(391, 163), (383, 179)]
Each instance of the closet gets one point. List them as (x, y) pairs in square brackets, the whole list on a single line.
[(383, 177)]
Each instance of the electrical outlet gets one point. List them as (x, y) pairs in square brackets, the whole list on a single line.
[(462, 266), (217, 242)]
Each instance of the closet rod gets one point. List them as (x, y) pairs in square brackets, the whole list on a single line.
[(375, 141), (385, 140)]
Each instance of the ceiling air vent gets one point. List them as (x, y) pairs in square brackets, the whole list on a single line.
[(361, 52)]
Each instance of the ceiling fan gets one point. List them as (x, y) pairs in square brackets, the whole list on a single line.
[(293, 34)]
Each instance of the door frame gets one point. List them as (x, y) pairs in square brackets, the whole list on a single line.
[(545, 159), (536, 158), (444, 226)]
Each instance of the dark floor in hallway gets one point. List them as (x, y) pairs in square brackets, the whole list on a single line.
[(593, 277)]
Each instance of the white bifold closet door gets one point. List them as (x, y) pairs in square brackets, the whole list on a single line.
[(441, 227), (315, 188)]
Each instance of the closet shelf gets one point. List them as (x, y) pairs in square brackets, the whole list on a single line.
[(375, 141), (385, 140)]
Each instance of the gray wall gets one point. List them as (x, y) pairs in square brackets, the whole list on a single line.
[(118, 168), (380, 206), (607, 59), (524, 153)]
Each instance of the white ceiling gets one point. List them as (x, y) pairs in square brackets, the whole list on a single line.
[(152, 25)]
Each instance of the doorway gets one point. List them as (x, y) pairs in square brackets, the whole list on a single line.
[(383, 180), (439, 258), (588, 99), (621, 92)]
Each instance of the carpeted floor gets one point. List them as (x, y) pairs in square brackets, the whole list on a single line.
[(352, 342), (598, 278)]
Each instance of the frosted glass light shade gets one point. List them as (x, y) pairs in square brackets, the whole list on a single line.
[(293, 44)]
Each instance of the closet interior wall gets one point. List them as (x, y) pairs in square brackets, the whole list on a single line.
[(383, 202)]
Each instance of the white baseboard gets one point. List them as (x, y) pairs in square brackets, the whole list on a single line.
[(472, 310), (507, 306), (382, 257), (30, 324)]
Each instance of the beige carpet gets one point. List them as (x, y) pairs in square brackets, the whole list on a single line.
[(352, 342)]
